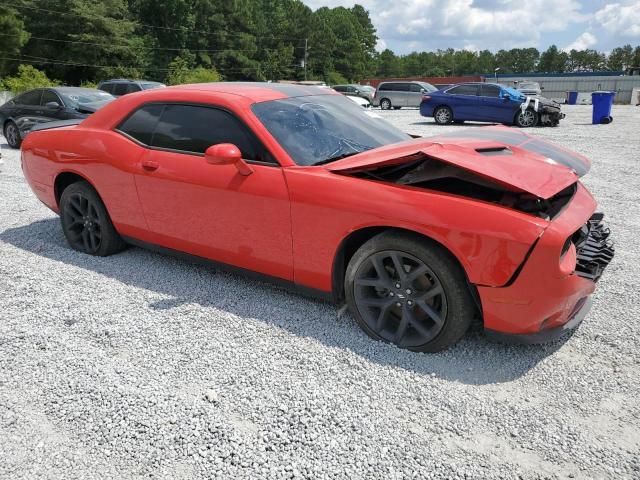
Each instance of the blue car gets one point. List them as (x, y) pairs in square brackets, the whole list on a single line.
[(489, 102)]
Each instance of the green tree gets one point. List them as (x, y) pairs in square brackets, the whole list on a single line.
[(87, 40), (14, 36), (27, 78), (553, 60), (620, 58)]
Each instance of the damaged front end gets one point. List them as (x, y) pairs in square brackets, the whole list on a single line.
[(432, 174), (549, 112)]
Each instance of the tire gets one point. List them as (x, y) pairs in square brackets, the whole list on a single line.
[(385, 104), (426, 309), (12, 134), (527, 119), (443, 115), (86, 223)]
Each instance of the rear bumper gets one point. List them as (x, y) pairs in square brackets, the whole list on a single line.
[(582, 309)]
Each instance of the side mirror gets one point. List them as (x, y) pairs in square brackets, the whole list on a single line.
[(227, 154), (53, 105)]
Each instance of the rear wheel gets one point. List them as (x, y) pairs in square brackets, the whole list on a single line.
[(385, 104), (12, 134), (527, 118), (86, 223), (408, 291), (443, 115)]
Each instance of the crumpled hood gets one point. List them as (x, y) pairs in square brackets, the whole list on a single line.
[(504, 155)]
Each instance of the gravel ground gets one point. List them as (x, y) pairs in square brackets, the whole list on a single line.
[(141, 365)]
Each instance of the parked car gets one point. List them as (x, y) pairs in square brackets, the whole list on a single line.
[(400, 94), (531, 89), (363, 102), (364, 91), (122, 86), (299, 184), (489, 102), (20, 114)]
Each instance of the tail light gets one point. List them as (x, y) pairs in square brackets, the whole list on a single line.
[(426, 98)]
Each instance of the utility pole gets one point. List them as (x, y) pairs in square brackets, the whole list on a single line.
[(306, 57)]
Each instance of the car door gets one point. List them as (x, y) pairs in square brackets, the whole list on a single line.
[(496, 108), (28, 110), (414, 96), (213, 211), (464, 102), (49, 112)]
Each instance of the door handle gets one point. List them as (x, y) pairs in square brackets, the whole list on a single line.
[(150, 165)]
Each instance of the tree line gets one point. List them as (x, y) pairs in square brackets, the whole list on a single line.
[(83, 41)]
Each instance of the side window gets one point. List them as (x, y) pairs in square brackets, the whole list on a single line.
[(120, 89), (339, 89), (351, 89), (142, 123), (416, 88), (31, 98), (132, 88), (402, 87), (193, 129), (490, 91), (49, 96), (464, 90), (385, 87), (106, 87)]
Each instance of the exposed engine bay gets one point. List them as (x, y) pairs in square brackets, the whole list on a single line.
[(433, 174)]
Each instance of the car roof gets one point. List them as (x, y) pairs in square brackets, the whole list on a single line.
[(69, 90), (256, 91)]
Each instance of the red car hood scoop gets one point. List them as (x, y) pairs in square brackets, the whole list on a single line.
[(504, 155)]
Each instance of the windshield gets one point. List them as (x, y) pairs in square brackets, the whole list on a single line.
[(428, 87), (81, 96), (513, 92), (151, 85), (318, 129)]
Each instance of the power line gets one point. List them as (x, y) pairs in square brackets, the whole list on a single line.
[(129, 46), (182, 29), (43, 61)]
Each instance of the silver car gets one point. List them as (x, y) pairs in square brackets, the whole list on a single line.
[(398, 94)]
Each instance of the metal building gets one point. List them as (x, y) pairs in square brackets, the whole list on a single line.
[(556, 86)]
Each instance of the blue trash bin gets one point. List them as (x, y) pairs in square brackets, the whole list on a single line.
[(572, 97), (602, 103)]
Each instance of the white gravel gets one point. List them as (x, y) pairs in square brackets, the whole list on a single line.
[(141, 365)]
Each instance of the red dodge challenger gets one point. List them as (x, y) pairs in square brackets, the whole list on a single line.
[(420, 236)]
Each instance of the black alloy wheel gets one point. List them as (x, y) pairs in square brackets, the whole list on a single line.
[(86, 223), (400, 298), (83, 223), (405, 289)]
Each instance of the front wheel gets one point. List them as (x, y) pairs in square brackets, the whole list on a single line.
[(443, 115), (410, 292), (12, 134), (527, 118), (86, 223)]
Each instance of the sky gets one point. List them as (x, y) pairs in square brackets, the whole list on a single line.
[(415, 25)]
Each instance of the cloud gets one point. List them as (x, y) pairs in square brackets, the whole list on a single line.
[(621, 19), (493, 24), (583, 42)]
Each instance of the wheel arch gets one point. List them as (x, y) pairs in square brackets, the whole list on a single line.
[(66, 178), (352, 242)]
